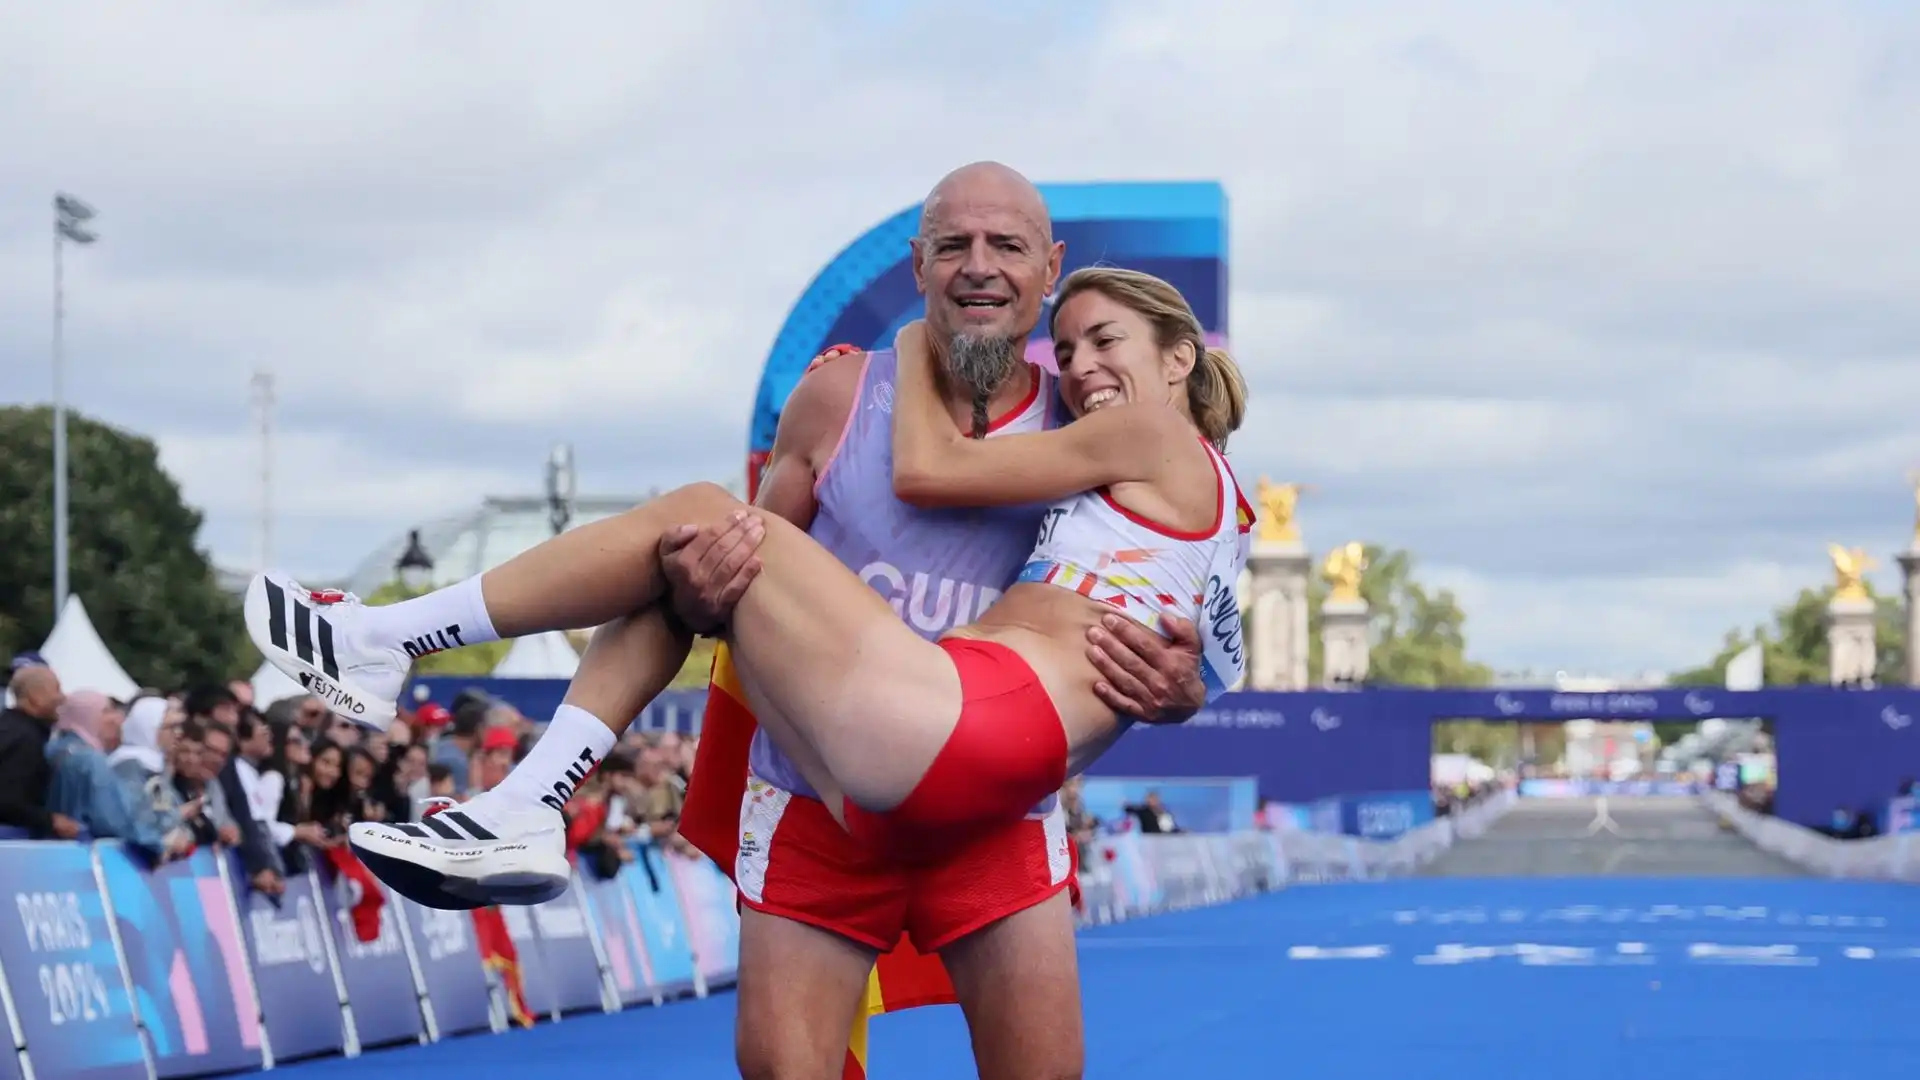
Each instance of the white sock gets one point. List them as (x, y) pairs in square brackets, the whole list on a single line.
[(443, 619), (571, 747)]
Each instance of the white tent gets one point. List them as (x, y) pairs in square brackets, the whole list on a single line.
[(542, 656), (75, 653), (270, 684)]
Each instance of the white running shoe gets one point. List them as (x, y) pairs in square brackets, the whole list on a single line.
[(309, 634), (460, 856)]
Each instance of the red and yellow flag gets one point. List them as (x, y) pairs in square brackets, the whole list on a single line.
[(710, 820), (498, 953)]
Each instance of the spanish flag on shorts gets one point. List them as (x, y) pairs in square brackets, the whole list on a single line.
[(710, 820)]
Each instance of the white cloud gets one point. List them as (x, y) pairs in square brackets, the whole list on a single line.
[(1604, 310)]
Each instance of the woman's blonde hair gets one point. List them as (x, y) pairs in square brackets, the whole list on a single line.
[(1216, 392)]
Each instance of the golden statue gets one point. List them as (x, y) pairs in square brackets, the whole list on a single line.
[(1277, 504), (1343, 569), (1850, 566)]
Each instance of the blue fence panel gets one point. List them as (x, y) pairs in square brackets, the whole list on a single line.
[(620, 937), (57, 954), (378, 974), (662, 921), (181, 941), (451, 968), (292, 967), (566, 943)]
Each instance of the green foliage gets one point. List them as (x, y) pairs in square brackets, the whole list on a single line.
[(151, 594), (1501, 743), (695, 673), (1419, 636), (1794, 647)]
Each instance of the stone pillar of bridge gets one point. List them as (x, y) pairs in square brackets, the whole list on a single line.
[(1275, 594), (1344, 645), (1851, 650), (1910, 578)]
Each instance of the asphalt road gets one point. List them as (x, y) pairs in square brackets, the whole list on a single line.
[(1609, 837)]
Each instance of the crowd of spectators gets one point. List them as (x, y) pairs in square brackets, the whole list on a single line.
[(169, 773)]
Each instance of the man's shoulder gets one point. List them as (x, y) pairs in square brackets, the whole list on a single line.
[(826, 393)]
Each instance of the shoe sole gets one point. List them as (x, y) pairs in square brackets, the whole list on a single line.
[(517, 879), (339, 695)]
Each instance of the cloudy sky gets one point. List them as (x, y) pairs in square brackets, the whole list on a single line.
[(1606, 311)]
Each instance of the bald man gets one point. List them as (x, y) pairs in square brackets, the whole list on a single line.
[(24, 772), (817, 907)]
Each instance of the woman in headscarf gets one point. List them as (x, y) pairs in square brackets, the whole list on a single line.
[(145, 737), (84, 786), (142, 754)]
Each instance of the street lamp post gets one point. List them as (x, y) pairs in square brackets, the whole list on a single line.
[(560, 487), (415, 566), (70, 216)]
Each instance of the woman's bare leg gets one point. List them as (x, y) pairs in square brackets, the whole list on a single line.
[(833, 668), (582, 578)]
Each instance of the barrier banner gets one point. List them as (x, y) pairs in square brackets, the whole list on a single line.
[(713, 924), (662, 923), (378, 973), (58, 958), (450, 965), (292, 971), (1900, 815), (1133, 880), (10, 1062), (536, 982), (1177, 870), (1576, 788), (573, 969), (620, 937), (181, 941), (1385, 815)]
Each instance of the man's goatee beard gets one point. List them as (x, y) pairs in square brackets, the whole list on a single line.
[(981, 366)]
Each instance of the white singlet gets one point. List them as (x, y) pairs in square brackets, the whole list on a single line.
[(1091, 544)]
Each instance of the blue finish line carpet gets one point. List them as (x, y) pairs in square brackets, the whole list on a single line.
[(1598, 978)]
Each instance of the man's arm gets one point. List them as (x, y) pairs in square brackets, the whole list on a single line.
[(709, 568), (1144, 675)]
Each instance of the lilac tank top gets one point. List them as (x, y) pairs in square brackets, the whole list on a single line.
[(938, 568)]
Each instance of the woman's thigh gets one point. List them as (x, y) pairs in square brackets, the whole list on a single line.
[(826, 657)]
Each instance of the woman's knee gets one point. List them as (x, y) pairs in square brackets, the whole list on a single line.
[(703, 500)]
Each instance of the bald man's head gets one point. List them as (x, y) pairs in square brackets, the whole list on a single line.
[(989, 180), (36, 692), (985, 259)]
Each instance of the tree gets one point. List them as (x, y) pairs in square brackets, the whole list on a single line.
[(152, 595), (1418, 636), (1794, 649)]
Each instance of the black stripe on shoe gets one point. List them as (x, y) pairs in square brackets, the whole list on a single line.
[(303, 617), (432, 821), (411, 829), (277, 615), (327, 662), (473, 828)]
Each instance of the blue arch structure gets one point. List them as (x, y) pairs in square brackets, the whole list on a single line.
[(1837, 748), (1177, 231)]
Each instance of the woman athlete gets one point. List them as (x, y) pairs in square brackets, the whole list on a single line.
[(907, 741)]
